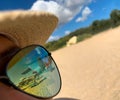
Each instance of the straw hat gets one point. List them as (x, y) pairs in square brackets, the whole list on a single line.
[(27, 27)]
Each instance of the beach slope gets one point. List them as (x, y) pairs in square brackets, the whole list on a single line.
[(90, 70)]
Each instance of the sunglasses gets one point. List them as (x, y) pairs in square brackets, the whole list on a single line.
[(33, 71)]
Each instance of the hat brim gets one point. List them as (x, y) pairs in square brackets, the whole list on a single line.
[(27, 27)]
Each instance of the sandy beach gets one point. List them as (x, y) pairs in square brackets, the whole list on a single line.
[(90, 70)]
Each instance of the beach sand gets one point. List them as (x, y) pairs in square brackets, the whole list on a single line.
[(90, 70)]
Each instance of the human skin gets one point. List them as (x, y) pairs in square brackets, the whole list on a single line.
[(8, 92)]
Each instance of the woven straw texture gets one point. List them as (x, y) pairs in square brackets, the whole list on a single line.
[(27, 27)]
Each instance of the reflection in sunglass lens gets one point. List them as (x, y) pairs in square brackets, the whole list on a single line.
[(33, 71)]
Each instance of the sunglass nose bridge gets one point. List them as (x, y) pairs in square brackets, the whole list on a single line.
[(3, 77), (5, 80)]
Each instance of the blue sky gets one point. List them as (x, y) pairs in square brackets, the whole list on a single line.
[(72, 14)]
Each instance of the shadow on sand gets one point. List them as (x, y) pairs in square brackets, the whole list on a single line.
[(66, 99)]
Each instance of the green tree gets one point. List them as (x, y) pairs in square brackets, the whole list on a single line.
[(115, 17)]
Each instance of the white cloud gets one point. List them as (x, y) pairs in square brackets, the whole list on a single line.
[(66, 10), (104, 9), (53, 38), (85, 13), (67, 32)]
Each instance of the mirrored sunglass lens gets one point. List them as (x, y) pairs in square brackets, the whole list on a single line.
[(33, 71)]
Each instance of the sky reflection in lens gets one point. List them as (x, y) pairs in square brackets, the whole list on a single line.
[(34, 72)]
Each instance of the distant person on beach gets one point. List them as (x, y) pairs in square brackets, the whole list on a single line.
[(20, 29)]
